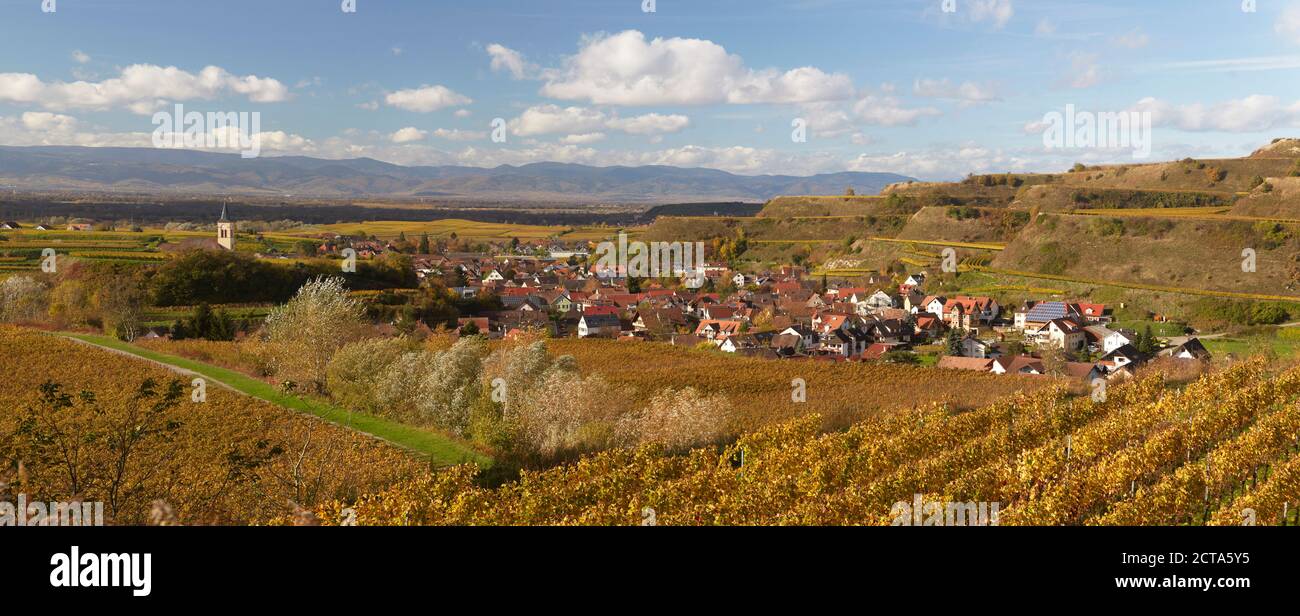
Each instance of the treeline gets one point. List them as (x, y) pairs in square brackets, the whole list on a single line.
[(219, 277)]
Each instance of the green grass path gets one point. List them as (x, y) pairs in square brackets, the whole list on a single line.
[(440, 449)]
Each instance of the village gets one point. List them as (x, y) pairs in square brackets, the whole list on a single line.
[(793, 314)]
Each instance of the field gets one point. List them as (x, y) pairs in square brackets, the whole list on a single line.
[(1213, 452), (467, 229), (436, 448), (21, 250), (228, 459)]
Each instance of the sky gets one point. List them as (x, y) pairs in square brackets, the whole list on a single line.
[(934, 89)]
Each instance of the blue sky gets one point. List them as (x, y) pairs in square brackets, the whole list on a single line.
[(884, 85)]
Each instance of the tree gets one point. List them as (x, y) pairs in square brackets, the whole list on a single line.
[(952, 341), (121, 308), (849, 192), (205, 324), (96, 442), (1146, 342), (1054, 359), (23, 298), (424, 244), (304, 333)]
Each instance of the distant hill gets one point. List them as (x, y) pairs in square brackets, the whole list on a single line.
[(146, 170)]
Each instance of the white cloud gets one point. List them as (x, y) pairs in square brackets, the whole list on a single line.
[(650, 124), (582, 139), (969, 92), (463, 113), (827, 120), (548, 119), (142, 88), (1045, 28), (628, 69), (45, 121), (80, 57), (1288, 23), (426, 99), (886, 110), (44, 128), (456, 134), (947, 162), (553, 119), (509, 60), (1255, 113), (408, 134)]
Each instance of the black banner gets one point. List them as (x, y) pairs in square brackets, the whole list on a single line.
[(338, 566)]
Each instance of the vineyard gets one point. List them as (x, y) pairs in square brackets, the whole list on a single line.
[(840, 393), (1223, 450), (79, 423)]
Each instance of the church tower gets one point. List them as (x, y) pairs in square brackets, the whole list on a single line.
[(225, 230)]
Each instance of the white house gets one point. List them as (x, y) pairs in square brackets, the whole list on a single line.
[(598, 326)]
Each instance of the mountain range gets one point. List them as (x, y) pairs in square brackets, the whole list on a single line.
[(148, 170)]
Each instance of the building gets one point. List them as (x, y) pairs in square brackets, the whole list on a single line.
[(598, 326), (225, 230)]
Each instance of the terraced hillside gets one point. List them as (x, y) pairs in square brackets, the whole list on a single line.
[(1181, 224)]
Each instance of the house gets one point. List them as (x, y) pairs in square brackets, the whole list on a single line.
[(1191, 349), (878, 349), (9, 225), (717, 331), (879, 299), (743, 342), (932, 304), (1019, 364), (928, 325), (1062, 334), (1093, 313), (974, 347), (1085, 371), (1042, 313), (1105, 340), (913, 282), (1124, 355), (843, 343), (788, 345), (980, 309), (598, 326), (808, 336), (953, 362)]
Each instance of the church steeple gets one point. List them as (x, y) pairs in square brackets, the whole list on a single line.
[(225, 230)]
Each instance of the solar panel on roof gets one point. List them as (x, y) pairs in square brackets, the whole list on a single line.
[(1046, 311)]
